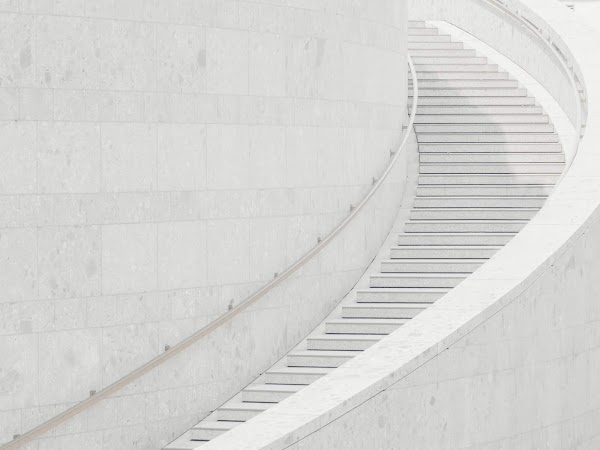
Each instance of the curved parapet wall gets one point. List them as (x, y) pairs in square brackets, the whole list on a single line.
[(508, 359), (159, 162)]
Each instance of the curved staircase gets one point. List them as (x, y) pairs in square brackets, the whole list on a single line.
[(489, 157)]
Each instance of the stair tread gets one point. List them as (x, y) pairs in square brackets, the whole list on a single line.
[(300, 370), (326, 353), (398, 305), (273, 388), (347, 337), (215, 425), (368, 321), (245, 406)]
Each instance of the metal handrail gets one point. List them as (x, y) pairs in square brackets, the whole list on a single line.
[(206, 330), (570, 71)]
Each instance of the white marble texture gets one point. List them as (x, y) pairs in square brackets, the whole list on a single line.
[(161, 160)]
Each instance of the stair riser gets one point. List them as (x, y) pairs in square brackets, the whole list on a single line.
[(296, 379), (484, 128), (443, 240), (316, 361), (400, 282), (317, 344), (485, 138), (435, 46), (498, 120), (489, 148), (475, 202), (464, 110), (391, 267), (205, 435), (460, 76), (475, 214), (497, 168), (456, 67), (394, 297), (380, 313), (264, 397), (474, 101), (464, 227), (339, 328), (488, 158), (488, 179), (451, 253), (448, 60), (427, 31), (455, 191), (236, 415), (425, 93), (444, 53), (429, 38), (465, 84)]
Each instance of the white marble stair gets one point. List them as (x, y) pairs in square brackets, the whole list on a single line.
[(489, 157)]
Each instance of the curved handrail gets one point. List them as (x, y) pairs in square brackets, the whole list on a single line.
[(204, 331), (570, 71)]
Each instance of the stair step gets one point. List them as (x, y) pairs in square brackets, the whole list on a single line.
[(399, 295), (268, 393), (183, 443), (478, 110), (440, 251), (483, 128), (466, 84), (384, 311), (471, 92), (208, 430), (492, 168), (240, 412), (474, 101), (473, 214), (425, 31), (515, 178), (315, 358), (470, 191), (472, 226), (431, 265), (342, 342), (455, 67), (413, 280), (498, 119), (479, 202), (417, 24), (363, 326), (435, 45), (449, 60), (429, 38), (447, 240), (295, 375), (486, 137), (462, 75), (443, 53), (487, 158), (482, 147)]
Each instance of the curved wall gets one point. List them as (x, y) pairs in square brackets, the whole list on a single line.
[(160, 160), (508, 359)]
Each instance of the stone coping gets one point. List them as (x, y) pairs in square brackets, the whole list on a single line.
[(568, 213)]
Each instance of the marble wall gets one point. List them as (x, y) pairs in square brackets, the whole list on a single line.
[(159, 161)]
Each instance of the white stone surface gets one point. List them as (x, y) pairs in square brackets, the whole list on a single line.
[(161, 160)]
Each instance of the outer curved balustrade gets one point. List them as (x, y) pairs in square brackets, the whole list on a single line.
[(509, 358)]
